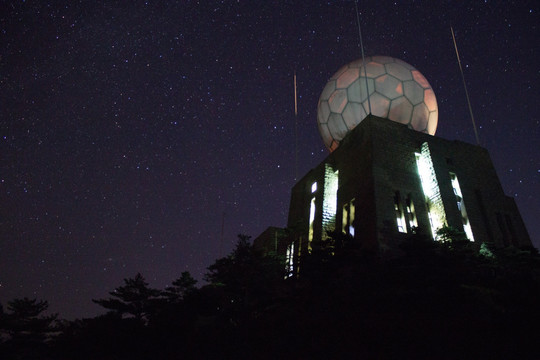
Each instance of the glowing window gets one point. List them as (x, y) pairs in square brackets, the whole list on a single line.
[(311, 221), (430, 186), (400, 218), (348, 218), (411, 214), (461, 206), (345, 218), (329, 209), (313, 187), (289, 266), (351, 215)]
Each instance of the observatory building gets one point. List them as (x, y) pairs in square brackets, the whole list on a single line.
[(387, 176)]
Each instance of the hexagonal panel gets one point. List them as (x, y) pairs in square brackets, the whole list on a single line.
[(429, 99), (373, 70), (365, 106), (397, 90), (337, 126), (356, 63), (333, 146), (398, 71), (338, 100), (432, 122), (323, 111), (383, 59), (413, 92), (419, 78), (388, 86), (339, 72), (328, 90), (357, 90), (353, 114), (345, 79), (401, 110), (379, 105), (420, 117)]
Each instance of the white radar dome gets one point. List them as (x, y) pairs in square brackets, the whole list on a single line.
[(397, 91)]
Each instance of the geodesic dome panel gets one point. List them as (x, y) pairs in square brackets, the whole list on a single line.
[(395, 90)]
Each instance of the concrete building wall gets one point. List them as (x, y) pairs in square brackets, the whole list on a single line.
[(377, 167)]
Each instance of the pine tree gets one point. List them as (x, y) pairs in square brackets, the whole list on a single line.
[(133, 299)]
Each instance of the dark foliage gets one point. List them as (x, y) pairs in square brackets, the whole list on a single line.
[(181, 287), (134, 299), (438, 300), (24, 329)]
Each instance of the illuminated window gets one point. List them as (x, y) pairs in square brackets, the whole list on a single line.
[(299, 253), (348, 218), (313, 187), (411, 214), (289, 266), (311, 223), (430, 218), (329, 209), (345, 218), (351, 218), (400, 218), (461, 206), (430, 186)]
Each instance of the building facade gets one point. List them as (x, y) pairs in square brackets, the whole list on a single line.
[(386, 181)]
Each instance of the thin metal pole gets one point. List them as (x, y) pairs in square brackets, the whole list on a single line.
[(465, 86), (364, 65)]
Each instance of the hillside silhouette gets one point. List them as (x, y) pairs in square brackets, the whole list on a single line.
[(435, 300)]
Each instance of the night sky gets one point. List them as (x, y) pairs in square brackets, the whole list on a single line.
[(129, 130)]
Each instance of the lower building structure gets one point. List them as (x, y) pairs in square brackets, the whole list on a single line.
[(385, 182)]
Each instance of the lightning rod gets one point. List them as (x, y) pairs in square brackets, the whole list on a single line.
[(465, 87)]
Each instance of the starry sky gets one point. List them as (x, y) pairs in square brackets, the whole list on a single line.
[(131, 131)]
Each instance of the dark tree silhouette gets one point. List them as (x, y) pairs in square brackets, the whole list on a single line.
[(26, 330), (245, 267), (244, 282), (432, 299), (133, 299), (25, 322), (181, 287)]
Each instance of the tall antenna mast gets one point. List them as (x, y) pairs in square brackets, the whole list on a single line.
[(295, 130), (363, 58), (465, 86)]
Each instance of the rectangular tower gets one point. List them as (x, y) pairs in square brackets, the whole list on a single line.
[(385, 182)]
